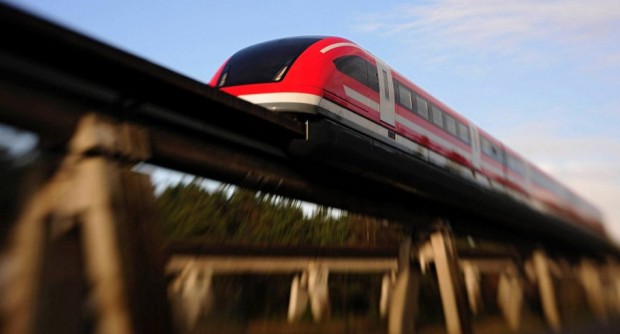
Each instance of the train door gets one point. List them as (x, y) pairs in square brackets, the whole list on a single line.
[(475, 144), (386, 93)]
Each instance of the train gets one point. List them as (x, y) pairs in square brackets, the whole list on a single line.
[(332, 78)]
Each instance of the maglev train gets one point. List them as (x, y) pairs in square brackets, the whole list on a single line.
[(333, 78)]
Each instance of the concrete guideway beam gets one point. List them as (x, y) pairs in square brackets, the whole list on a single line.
[(281, 264)]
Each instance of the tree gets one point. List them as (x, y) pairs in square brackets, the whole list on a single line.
[(235, 215)]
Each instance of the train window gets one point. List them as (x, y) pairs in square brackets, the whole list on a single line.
[(422, 107), (404, 97), (451, 125), (539, 179), (464, 133), (491, 150), (437, 116), (359, 69), (282, 70), (395, 84), (373, 76), (224, 76), (265, 62), (544, 181), (353, 66), (515, 164)]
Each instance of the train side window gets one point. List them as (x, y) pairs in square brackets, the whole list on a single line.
[(547, 183), (538, 178), (515, 164), (486, 146), (373, 76), (404, 97), (422, 107), (395, 84), (464, 133), (451, 125), (437, 116), (353, 66), (491, 150), (510, 162)]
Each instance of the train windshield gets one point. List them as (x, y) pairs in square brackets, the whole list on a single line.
[(264, 62)]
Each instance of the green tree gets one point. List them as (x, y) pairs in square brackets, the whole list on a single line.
[(191, 211), (236, 215)]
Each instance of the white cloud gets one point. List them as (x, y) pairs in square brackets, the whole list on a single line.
[(520, 28)]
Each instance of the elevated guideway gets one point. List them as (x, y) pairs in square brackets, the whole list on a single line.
[(51, 76), (98, 111)]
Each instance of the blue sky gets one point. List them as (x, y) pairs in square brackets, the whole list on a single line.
[(542, 76)]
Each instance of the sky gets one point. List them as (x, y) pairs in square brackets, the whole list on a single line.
[(541, 76)]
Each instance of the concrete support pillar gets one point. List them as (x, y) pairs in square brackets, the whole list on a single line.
[(451, 286), (510, 298), (318, 292), (546, 290), (404, 302), (191, 294), (312, 287), (82, 243), (613, 273), (472, 284), (387, 287), (591, 281), (298, 301)]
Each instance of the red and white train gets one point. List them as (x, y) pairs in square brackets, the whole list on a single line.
[(332, 77)]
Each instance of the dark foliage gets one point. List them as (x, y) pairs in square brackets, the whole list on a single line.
[(234, 215)]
